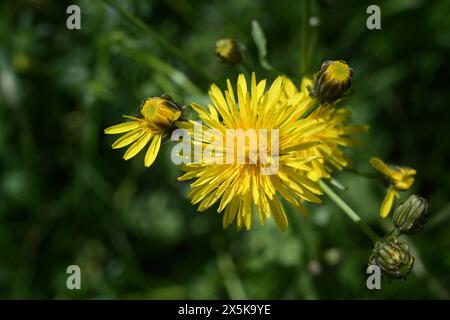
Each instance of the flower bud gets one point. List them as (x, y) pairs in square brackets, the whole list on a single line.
[(230, 51), (332, 81), (411, 215), (393, 258), (160, 112)]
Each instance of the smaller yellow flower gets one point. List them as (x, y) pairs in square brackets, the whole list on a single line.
[(400, 179), (158, 115)]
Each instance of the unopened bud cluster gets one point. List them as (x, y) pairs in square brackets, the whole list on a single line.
[(393, 257)]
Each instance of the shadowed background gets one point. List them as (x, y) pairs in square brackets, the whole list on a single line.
[(67, 198)]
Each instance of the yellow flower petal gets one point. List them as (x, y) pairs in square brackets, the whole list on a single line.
[(153, 150), (220, 103), (278, 214), (260, 89), (137, 146), (404, 184), (387, 202), (274, 93), (301, 146), (379, 164), (306, 82), (128, 138), (122, 127), (230, 212)]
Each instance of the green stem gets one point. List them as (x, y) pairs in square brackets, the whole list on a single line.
[(161, 41), (305, 38), (232, 282), (393, 234), (314, 106), (338, 184), (350, 212)]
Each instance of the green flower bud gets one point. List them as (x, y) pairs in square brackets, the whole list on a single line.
[(411, 215), (393, 258), (332, 81), (230, 51)]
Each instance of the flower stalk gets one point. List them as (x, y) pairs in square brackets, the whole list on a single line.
[(350, 212), (315, 104)]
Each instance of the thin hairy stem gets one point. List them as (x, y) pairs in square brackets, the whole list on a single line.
[(350, 212)]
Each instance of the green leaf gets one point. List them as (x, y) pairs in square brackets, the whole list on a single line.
[(261, 44), (175, 75)]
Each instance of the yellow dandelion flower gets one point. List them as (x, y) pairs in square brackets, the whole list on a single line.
[(155, 123), (337, 134), (241, 187), (400, 179)]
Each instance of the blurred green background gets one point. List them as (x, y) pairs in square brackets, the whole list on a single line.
[(67, 198)]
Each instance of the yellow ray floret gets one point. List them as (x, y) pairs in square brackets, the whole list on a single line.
[(399, 178)]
